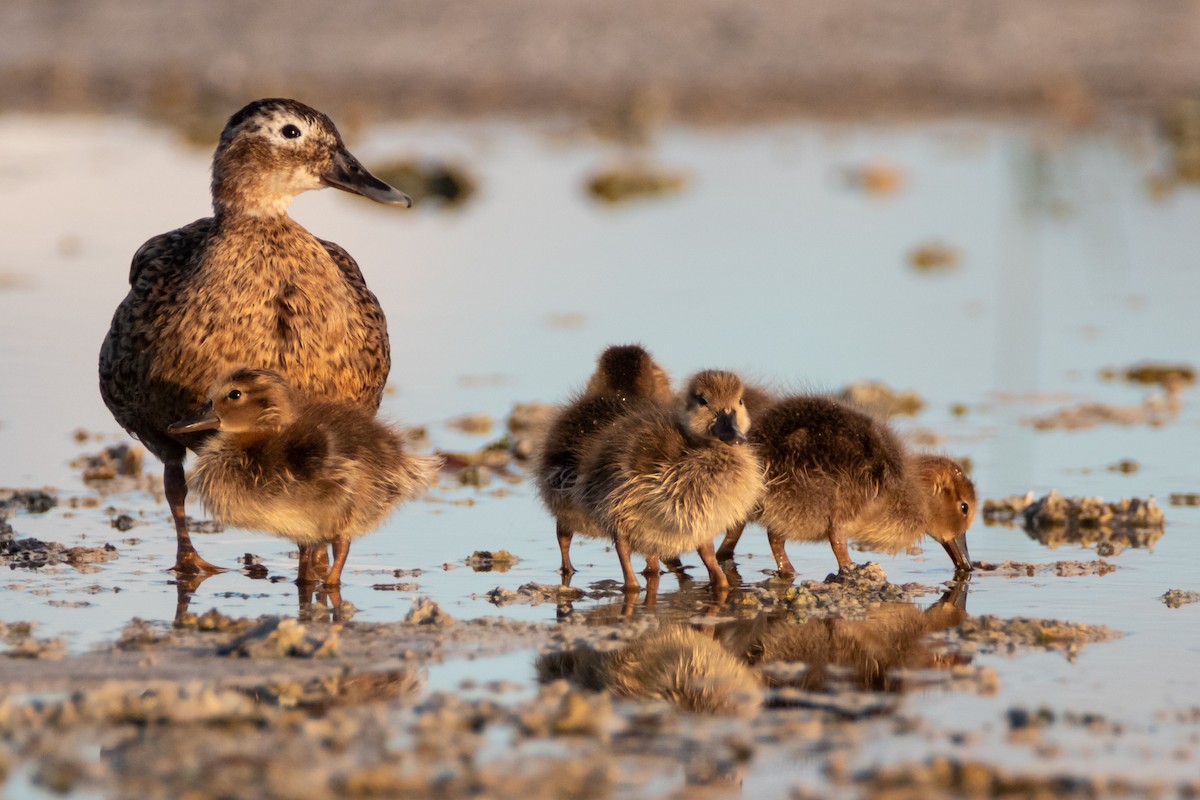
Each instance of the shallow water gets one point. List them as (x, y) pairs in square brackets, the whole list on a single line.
[(769, 264)]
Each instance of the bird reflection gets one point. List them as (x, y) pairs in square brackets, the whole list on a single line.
[(675, 663), (724, 668), (867, 652)]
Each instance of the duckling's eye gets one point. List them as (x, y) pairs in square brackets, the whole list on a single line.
[(964, 508), (700, 401), (236, 394), (290, 132)]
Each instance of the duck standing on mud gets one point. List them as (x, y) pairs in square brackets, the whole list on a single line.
[(247, 286), (665, 479), (626, 378), (317, 473), (835, 474)]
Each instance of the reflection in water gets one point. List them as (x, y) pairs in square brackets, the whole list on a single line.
[(867, 652), (674, 663), (315, 603), (721, 669)]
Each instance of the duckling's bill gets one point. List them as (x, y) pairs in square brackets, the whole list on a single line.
[(203, 419), (956, 548), (725, 428), (346, 173)]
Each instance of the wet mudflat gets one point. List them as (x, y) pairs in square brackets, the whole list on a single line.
[(797, 255)]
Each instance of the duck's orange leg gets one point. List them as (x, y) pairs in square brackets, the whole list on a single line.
[(187, 560), (732, 536), (782, 563), (709, 557), (341, 549)]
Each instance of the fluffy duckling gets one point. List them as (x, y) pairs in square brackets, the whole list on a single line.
[(247, 285), (834, 473), (667, 478), (626, 377), (315, 473)]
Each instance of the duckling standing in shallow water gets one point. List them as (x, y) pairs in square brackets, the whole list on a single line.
[(626, 378), (667, 478), (247, 285), (315, 473), (834, 473)]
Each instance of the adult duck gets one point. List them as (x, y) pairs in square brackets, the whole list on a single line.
[(247, 286)]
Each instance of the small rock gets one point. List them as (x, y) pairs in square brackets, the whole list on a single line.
[(426, 612), (1174, 598), (277, 638)]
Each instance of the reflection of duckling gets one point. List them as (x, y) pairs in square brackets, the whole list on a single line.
[(625, 378), (674, 663), (892, 637), (665, 479), (315, 473), (247, 285), (834, 473)]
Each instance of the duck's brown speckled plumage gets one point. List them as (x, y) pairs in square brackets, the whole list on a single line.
[(626, 378), (833, 473), (666, 479), (315, 473), (247, 286)]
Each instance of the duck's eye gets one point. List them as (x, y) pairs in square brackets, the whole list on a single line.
[(290, 132), (700, 401), (236, 394), (742, 402), (964, 508)]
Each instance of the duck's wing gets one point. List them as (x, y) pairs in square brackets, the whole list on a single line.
[(169, 256), (377, 348)]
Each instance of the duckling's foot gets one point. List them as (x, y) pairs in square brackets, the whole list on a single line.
[(189, 562), (651, 567), (341, 549), (709, 557), (564, 536)]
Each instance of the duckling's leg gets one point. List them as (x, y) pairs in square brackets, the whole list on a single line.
[(841, 551), (782, 563), (320, 560), (622, 545), (305, 574), (564, 535), (732, 536), (709, 557), (341, 549), (187, 560), (651, 566)]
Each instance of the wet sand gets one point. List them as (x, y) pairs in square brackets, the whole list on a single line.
[(622, 64)]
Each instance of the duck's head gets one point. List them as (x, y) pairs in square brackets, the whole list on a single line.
[(627, 370), (274, 149), (714, 406), (244, 402), (951, 506)]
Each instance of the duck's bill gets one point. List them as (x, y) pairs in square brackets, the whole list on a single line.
[(347, 174), (203, 419), (957, 550), (726, 429)]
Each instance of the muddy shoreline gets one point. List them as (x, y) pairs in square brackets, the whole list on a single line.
[(625, 67)]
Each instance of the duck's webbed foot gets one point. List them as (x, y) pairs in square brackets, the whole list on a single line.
[(187, 560)]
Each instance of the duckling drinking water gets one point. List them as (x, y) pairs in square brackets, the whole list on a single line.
[(315, 473), (834, 473), (247, 285), (626, 378), (667, 478)]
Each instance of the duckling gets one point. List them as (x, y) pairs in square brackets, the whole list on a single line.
[(626, 377), (315, 473), (833, 472), (666, 478), (247, 285)]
